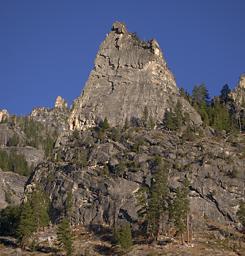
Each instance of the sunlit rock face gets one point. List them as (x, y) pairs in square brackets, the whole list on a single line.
[(129, 76), (3, 115), (238, 94), (54, 118), (60, 103)]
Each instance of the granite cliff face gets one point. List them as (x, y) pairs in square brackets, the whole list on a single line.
[(104, 176), (103, 170), (129, 76), (25, 142)]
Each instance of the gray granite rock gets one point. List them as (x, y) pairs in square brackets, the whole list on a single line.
[(129, 77)]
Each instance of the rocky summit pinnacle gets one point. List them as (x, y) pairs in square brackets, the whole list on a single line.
[(60, 103), (129, 76)]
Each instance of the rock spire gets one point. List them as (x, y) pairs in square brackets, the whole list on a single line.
[(129, 76)]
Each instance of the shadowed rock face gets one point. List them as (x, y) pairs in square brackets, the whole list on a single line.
[(129, 75)]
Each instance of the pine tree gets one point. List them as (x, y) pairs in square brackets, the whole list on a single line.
[(200, 94), (27, 225), (224, 94), (200, 101), (174, 119), (203, 111), (33, 216), (178, 113), (40, 206), (170, 121), (180, 209), (220, 117), (157, 199), (64, 236)]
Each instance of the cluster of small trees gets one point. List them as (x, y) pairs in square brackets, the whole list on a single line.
[(156, 203), (14, 162), (22, 221), (220, 112), (175, 119), (32, 216), (36, 134)]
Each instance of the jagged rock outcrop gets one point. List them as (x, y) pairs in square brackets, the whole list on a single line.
[(129, 76), (238, 94), (11, 188), (105, 175), (60, 103), (55, 118)]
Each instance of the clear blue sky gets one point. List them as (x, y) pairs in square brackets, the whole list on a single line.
[(47, 47)]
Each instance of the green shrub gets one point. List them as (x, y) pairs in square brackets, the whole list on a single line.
[(4, 160), (82, 158), (241, 213), (105, 171), (123, 237), (13, 141), (9, 220), (48, 145), (115, 134), (120, 168), (136, 147)]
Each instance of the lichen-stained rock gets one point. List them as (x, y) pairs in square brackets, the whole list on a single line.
[(129, 76)]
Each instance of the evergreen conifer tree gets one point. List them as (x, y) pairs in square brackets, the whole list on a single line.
[(124, 237), (40, 205), (180, 209), (27, 225), (224, 94), (220, 117), (157, 198), (64, 236), (170, 121)]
